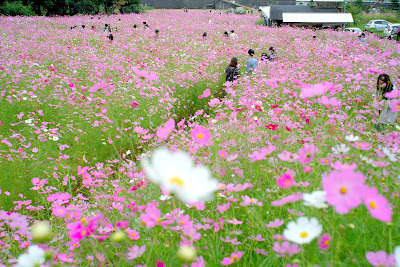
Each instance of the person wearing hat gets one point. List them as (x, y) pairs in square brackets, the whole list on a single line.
[(251, 63)]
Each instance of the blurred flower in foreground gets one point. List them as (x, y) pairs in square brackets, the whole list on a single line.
[(315, 199), (176, 172), (35, 257), (303, 231)]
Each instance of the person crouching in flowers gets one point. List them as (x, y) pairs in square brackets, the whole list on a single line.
[(386, 115)]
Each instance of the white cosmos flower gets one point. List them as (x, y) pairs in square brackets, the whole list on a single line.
[(389, 154), (340, 149), (397, 255), (165, 197), (352, 138), (303, 231), (176, 172), (35, 257), (397, 127), (315, 199)]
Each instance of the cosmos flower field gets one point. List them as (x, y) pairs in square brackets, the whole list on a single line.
[(137, 153)]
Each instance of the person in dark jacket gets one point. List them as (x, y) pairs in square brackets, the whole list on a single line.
[(232, 71)]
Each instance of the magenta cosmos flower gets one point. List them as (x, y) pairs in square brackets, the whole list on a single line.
[(344, 190), (285, 181), (201, 135), (234, 258)]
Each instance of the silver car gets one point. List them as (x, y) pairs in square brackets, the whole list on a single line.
[(378, 25)]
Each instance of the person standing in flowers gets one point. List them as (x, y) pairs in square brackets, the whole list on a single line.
[(232, 71), (251, 63), (233, 35), (386, 115)]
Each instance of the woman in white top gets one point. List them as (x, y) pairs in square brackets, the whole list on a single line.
[(386, 115)]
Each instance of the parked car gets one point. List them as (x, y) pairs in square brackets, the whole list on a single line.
[(352, 30), (391, 30), (378, 25)]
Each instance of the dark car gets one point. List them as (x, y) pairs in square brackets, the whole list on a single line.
[(210, 6)]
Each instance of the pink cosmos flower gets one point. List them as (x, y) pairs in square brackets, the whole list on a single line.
[(275, 224), (134, 103), (135, 252), (289, 199), (222, 153), (306, 153), (344, 190), (377, 205), (247, 201), (307, 169), (164, 131), (285, 181), (201, 135), (380, 259), (255, 156), (311, 90), (395, 105), (286, 249), (234, 221), (205, 94), (234, 258), (223, 208), (59, 211), (340, 167), (218, 225), (272, 127), (122, 224), (324, 241), (198, 262), (132, 234)]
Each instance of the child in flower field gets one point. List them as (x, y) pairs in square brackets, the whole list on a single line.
[(232, 71), (251, 63), (272, 55), (384, 86)]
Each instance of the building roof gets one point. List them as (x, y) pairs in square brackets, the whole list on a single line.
[(323, 18), (274, 12)]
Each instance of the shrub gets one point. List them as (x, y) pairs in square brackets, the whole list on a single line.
[(85, 7), (16, 9)]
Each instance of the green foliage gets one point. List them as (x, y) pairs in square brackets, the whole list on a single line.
[(130, 9), (86, 7), (16, 9)]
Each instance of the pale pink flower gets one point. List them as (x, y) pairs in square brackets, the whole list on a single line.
[(232, 259), (275, 224), (344, 190), (380, 259), (306, 153), (289, 199), (377, 205), (164, 131), (286, 249)]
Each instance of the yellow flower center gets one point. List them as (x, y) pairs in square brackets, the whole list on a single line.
[(372, 204), (133, 235), (343, 190), (200, 136), (177, 181), (60, 211), (303, 234), (234, 258), (326, 242), (182, 222)]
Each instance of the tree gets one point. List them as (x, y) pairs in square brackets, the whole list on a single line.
[(395, 4)]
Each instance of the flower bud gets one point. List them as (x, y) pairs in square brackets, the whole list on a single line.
[(186, 253), (41, 232), (118, 236)]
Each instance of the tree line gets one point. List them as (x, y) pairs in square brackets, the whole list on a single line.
[(67, 7)]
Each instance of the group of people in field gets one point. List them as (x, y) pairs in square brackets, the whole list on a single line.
[(383, 86), (232, 71)]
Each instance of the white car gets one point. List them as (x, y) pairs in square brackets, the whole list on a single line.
[(389, 29), (378, 25), (352, 30)]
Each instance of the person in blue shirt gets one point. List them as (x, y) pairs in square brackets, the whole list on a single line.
[(271, 55), (251, 63)]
